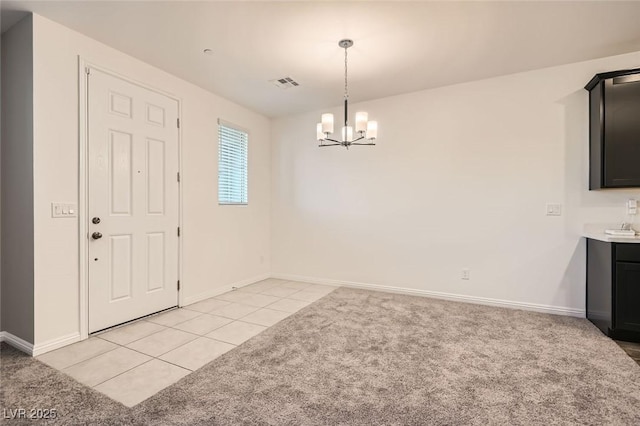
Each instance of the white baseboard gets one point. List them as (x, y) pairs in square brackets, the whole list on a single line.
[(219, 290), (53, 344), (16, 342), (547, 309), (38, 349)]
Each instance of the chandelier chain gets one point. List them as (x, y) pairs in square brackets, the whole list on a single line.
[(346, 88)]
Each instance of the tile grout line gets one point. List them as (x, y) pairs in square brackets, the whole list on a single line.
[(80, 362), (120, 374), (128, 343), (263, 325), (280, 285), (176, 365), (203, 335), (180, 322)]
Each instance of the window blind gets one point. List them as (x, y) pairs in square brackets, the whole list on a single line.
[(232, 165)]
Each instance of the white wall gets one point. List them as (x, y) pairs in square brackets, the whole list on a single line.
[(17, 182), (222, 245), (459, 179)]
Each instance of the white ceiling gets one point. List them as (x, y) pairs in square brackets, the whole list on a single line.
[(399, 46)]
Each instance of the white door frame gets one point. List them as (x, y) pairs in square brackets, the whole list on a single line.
[(83, 186)]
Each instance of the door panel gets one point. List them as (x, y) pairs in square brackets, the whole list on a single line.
[(155, 115), (155, 260), (121, 267), (627, 296), (120, 104), (120, 177), (133, 189), (155, 176), (621, 132)]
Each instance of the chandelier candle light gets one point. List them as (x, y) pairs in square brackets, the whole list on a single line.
[(365, 130)]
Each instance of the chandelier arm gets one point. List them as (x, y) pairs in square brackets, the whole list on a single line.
[(331, 140), (331, 144), (367, 143)]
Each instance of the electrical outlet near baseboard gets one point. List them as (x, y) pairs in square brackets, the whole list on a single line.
[(466, 274)]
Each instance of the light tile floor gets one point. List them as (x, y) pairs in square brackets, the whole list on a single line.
[(135, 361)]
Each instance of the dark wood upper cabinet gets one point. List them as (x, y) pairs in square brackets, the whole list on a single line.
[(614, 129)]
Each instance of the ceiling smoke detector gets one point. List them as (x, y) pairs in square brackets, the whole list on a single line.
[(285, 83)]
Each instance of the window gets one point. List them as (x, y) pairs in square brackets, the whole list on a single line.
[(232, 164)]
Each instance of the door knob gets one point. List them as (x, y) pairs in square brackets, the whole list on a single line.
[(95, 220), (96, 235)]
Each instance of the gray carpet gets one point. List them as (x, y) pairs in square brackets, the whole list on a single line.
[(364, 358)]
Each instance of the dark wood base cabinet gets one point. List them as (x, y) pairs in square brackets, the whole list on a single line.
[(613, 288)]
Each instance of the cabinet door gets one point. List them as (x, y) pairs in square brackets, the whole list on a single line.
[(627, 296), (622, 131)]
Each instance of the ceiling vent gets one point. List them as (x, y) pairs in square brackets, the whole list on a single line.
[(285, 82)]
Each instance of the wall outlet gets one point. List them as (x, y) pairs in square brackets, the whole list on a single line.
[(554, 209), (632, 207), (466, 274)]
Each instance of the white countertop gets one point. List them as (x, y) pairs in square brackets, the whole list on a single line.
[(601, 236), (596, 232)]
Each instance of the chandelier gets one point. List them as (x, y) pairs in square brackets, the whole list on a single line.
[(365, 130)]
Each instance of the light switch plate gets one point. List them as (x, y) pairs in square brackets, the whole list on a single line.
[(632, 206), (64, 210), (554, 209)]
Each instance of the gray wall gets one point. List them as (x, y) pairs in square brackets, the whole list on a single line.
[(1, 329), (17, 181)]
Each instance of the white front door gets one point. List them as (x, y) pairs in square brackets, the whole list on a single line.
[(133, 194)]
